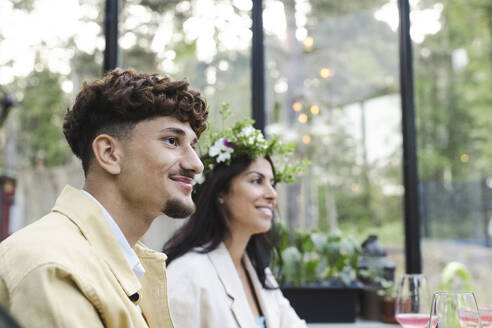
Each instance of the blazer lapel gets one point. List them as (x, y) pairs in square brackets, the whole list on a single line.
[(270, 319), (228, 276)]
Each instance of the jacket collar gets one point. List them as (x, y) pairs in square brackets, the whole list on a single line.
[(260, 293), (153, 300), (88, 217), (228, 276)]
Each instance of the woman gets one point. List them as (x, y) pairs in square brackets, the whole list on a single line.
[(217, 271)]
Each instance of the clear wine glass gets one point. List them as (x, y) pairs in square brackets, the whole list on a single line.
[(412, 302), (484, 300), (455, 310)]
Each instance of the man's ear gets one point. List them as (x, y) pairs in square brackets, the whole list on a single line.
[(107, 152)]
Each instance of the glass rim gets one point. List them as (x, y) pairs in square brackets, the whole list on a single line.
[(454, 292)]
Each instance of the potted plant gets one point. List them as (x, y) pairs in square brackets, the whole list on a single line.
[(318, 274), (387, 297), (377, 298), (376, 272)]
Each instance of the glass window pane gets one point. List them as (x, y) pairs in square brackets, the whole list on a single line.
[(208, 42), (332, 86), (44, 58), (452, 54)]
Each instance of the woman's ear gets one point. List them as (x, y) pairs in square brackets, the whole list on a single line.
[(220, 198), (107, 152)]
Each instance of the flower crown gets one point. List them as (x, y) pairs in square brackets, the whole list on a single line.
[(242, 140)]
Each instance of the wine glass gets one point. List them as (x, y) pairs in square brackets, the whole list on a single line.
[(455, 310), (412, 302), (484, 300)]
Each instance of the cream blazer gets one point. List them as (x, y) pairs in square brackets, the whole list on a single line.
[(67, 270), (205, 291)]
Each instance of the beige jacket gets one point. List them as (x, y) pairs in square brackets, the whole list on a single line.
[(206, 291), (67, 270)]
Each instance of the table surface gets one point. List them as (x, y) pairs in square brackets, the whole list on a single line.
[(357, 324)]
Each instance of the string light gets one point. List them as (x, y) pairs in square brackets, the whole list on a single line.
[(325, 73), (306, 139), (315, 109), (464, 158), (302, 118), (297, 106), (308, 43)]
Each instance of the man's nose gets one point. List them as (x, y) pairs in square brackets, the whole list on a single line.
[(192, 161)]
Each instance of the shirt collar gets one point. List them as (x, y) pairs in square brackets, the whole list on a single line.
[(130, 255)]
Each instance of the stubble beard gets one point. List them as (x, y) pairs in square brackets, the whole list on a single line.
[(177, 209)]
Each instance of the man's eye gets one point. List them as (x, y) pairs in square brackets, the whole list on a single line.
[(172, 140)]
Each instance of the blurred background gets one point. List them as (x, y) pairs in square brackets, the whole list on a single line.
[(332, 84)]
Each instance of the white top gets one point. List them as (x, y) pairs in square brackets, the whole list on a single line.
[(205, 291)]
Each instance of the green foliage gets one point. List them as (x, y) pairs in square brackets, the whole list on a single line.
[(140, 59), (41, 117), (316, 258), (242, 140), (225, 111), (389, 233), (453, 102), (452, 271)]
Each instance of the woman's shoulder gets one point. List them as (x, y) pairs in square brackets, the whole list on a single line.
[(193, 269), (190, 260)]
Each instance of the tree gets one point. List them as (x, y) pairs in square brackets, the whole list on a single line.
[(453, 81), (41, 116), (351, 57)]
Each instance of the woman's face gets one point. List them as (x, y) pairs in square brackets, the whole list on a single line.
[(251, 199)]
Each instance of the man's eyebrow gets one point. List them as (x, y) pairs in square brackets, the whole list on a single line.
[(174, 130)]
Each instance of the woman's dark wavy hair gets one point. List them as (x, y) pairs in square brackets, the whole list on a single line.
[(207, 227), (123, 98)]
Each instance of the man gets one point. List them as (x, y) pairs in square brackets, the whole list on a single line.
[(82, 265)]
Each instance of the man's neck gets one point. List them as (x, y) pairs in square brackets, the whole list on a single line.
[(131, 222)]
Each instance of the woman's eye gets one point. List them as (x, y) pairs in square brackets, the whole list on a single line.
[(256, 181)]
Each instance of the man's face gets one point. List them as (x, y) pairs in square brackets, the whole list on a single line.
[(158, 165)]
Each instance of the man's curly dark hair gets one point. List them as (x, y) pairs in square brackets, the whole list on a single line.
[(123, 98)]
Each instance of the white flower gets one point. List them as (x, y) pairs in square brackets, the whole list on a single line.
[(198, 179), (219, 148), (247, 131), (223, 157), (215, 149)]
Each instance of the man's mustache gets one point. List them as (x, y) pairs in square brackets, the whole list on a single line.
[(183, 172)]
